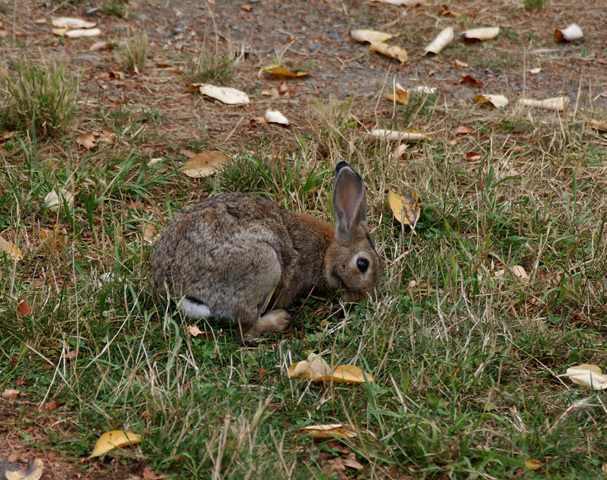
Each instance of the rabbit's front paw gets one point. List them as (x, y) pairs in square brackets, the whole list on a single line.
[(274, 321)]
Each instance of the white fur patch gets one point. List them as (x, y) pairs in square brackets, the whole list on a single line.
[(194, 309)]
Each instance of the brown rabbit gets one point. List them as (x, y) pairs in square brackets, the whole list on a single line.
[(234, 255)]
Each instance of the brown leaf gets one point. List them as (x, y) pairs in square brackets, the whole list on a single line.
[(86, 140), (472, 157), (272, 92), (284, 71), (10, 394), (11, 250), (204, 164), (469, 80), (194, 330), (107, 137), (399, 94), (52, 241), (464, 130), (334, 430), (23, 308)]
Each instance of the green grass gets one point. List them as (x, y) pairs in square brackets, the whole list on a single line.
[(134, 52), (214, 62), (38, 98)]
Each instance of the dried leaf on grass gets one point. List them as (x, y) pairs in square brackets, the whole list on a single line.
[(555, 103), (470, 80), (391, 51), (532, 464), (315, 368), (10, 394), (284, 71), (405, 208), (93, 32), (54, 200), (481, 33), (408, 136), (443, 39), (33, 471), (569, 34), (54, 240), (86, 140), (600, 126), (194, 330), (227, 95), (114, 439), (11, 250), (588, 375), (498, 101), (398, 95), (371, 36), (274, 116), (333, 430), (204, 164)]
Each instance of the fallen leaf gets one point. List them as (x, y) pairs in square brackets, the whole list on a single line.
[(405, 208), (532, 464), (284, 71), (11, 250), (149, 234), (587, 375), (71, 23), (392, 51), (443, 39), (600, 126), (274, 116), (572, 32), (398, 95), (422, 89), (59, 32), (314, 368), (227, 95), (8, 135), (464, 130), (555, 103), (194, 330), (23, 308), (204, 164), (534, 71), (246, 8), (400, 150), (520, 272), (33, 471), (408, 136), (371, 36), (53, 200), (333, 430), (70, 354), (107, 137), (99, 46), (10, 394), (93, 32), (469, 80), (40, 21), (472, 157), (481, 33), (459, 64), (272, 92), (86, 140), (351, 462), (114, 439), (348, 374), (498, 101)]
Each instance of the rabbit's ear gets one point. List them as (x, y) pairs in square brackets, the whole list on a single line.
[(349, 200)]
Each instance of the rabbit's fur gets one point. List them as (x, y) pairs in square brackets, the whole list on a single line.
[(234, 255)]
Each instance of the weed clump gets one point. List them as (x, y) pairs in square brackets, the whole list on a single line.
[(214, 63), (39, 98), (134, 52)]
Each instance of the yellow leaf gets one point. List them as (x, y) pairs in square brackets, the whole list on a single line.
[(284, 71), (532, 464), (405, 208), (498, 101), (11, 250), (371, 36), (114, 439), (349, 374), (600, 126), (399, 95), (204, 164), (333, 430), (392, 51)]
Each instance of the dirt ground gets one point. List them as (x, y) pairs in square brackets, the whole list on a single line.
[(313, 35)]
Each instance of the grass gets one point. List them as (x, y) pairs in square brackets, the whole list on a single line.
[(117, 8), (134, 52), (38, 98), (536, 5), (214, 63), (466, 359)]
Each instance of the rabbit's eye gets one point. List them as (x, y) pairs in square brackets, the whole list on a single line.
[(362, 264)]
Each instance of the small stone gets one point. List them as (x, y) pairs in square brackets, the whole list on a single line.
[(84, 58)]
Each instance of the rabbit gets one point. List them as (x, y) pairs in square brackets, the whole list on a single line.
[(234, 255)]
